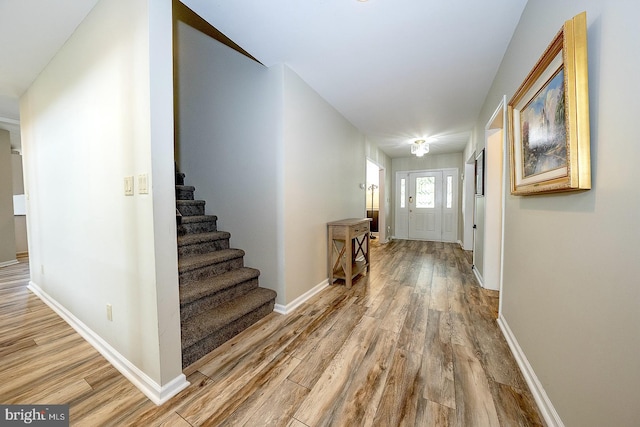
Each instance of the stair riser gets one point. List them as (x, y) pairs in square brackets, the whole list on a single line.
[(191, 210), (209, 271), (180, 178), (184, 194), (203, 247), (217, 338), (216, 299), (197, 227)]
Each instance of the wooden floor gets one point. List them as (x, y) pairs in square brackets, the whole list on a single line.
[(414, 343)]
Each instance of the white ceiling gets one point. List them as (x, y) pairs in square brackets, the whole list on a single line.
[(31, 32), (397, 69)]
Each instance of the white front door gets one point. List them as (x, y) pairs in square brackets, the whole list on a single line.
[(427, 205)]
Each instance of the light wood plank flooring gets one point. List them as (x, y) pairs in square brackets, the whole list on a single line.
[(413, 343)]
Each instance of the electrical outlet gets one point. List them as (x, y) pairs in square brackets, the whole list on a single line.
[(109, 312)]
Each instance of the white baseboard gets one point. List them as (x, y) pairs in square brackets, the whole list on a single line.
[(286, 309), (545, 406), (478, 276), (8, 263), (156, 393)]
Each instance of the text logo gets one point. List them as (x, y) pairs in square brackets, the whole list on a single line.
[(34, 415)]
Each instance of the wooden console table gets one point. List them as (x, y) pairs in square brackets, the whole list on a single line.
[(348, 251)]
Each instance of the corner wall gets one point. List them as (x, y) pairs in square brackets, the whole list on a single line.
[(273, 160), (570, 294), (229, 145), (87, 122)]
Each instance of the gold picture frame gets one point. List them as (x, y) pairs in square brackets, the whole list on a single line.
[(549, 141)]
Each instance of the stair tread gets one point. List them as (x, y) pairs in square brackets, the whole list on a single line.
[(190, 239), (198, 327), (196, 290), (190, 202), (185, 187), (192, 262), (198, 218)]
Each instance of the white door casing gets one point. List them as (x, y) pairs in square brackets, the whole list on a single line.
[(497, 184), (427, 205)]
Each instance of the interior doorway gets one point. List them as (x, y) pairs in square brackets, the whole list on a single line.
[(468, 196), (490, 210), (375, 200)]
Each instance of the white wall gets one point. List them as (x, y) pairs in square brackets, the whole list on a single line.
[(493, 210), (468, 202), (429, 161), (161, 110), (468, 157), (230, 146), (7, 226), (324, 164), (20, 221), (570, 293), (87, 123)]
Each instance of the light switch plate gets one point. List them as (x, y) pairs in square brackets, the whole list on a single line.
[(128, 186), (143, 184)]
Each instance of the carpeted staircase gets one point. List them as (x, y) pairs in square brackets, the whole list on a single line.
[(219, 296)]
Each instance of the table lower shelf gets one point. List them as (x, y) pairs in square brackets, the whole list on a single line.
[(357, 267)]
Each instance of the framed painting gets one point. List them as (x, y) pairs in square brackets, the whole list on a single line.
[(549, 140), (480, 174)]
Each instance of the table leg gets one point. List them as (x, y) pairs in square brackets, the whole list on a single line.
[(349, 262)]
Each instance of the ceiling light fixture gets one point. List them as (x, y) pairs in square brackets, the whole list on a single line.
[(419, 147)]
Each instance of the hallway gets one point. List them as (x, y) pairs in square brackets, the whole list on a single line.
[(413, 343)]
